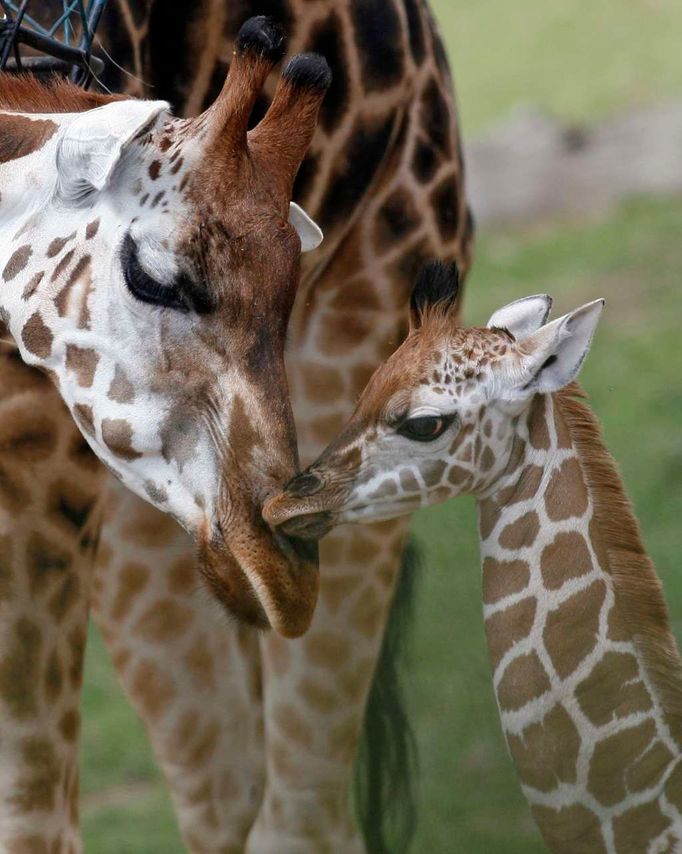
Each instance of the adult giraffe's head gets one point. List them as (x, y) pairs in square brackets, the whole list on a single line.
[(150, 264), (438, 418)]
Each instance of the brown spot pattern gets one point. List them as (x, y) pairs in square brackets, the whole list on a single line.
[(501, 578), (538, 433), (649, 768), (117, 435), (46, 562), (521, 533), (121, 389), (565, 558), (19, 669), (18, 260), (566, 495), (58, 244), (571, 629), (526, 487), (36, 787), (32, 285), (22, 136), (26, 436), (163, 621), (132, 580), (546, 753), (612, 758), (570, 830), (524, 680), (82, 361), (37, 337), (613, 689), (327, 650), (637, 827), (152, 688), (80, 271), (506, 628)]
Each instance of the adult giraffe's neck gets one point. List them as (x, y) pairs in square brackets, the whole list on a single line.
[(586, 672)]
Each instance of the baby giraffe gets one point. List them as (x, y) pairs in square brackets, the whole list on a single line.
[(586, 672)]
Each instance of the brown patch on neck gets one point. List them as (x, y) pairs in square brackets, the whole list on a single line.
[(637, 588), (21, 136)]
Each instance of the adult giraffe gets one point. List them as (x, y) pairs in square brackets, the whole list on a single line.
[(264, 746), (149, 267)]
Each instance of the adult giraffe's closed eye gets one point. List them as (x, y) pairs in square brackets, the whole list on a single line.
[(151, 264), (586, 672)]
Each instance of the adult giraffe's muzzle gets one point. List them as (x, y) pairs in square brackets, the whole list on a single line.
[(263, 575)]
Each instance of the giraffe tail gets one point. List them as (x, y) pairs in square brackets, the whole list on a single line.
[(387, 764)]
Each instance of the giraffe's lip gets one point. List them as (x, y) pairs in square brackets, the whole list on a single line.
[(289, 510), (309, 526), (265, 578), (313, 517)]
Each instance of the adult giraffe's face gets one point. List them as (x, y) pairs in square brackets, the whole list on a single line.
[(169, 256), (438, 419)]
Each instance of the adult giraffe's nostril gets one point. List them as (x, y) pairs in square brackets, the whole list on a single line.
[(303, 485)]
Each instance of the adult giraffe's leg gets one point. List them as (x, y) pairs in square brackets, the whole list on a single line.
[(49, 484), (315, 688), (192, 674)]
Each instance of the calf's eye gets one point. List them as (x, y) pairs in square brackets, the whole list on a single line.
[(424, 428)]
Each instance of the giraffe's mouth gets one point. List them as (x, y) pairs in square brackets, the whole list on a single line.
[(266, 577), (308, 507)]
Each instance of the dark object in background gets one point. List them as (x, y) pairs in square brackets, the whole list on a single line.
[(58, 41)]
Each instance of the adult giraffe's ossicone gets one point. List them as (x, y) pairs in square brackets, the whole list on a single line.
[(150, 265)]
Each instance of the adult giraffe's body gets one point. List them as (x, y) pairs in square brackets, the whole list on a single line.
[(148, 265), (253, 730), (586, 671)]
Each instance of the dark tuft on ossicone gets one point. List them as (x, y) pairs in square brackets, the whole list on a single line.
[(263, 37), (437, 285), (308, 71)]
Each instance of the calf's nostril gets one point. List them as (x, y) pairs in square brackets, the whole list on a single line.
[(303, 485)]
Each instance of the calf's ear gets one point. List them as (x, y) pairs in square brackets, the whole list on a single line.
[(522, 317), (553, 356)]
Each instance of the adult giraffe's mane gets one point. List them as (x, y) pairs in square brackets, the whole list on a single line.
[(637, 587), (25, 93)]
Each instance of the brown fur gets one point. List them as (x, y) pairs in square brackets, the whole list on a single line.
[(21, 136), (638, 589), (26, 94)]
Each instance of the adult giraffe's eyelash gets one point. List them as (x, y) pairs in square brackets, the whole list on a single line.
[(143, 286)]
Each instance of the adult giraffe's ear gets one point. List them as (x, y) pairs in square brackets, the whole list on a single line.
[(522, 317), (308, 230), (435, 291), (94, 143), (553, 356)]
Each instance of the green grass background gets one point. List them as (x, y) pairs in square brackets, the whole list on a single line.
[(581, 60)]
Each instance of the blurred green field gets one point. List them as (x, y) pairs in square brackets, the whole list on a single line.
[(578, 59)]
